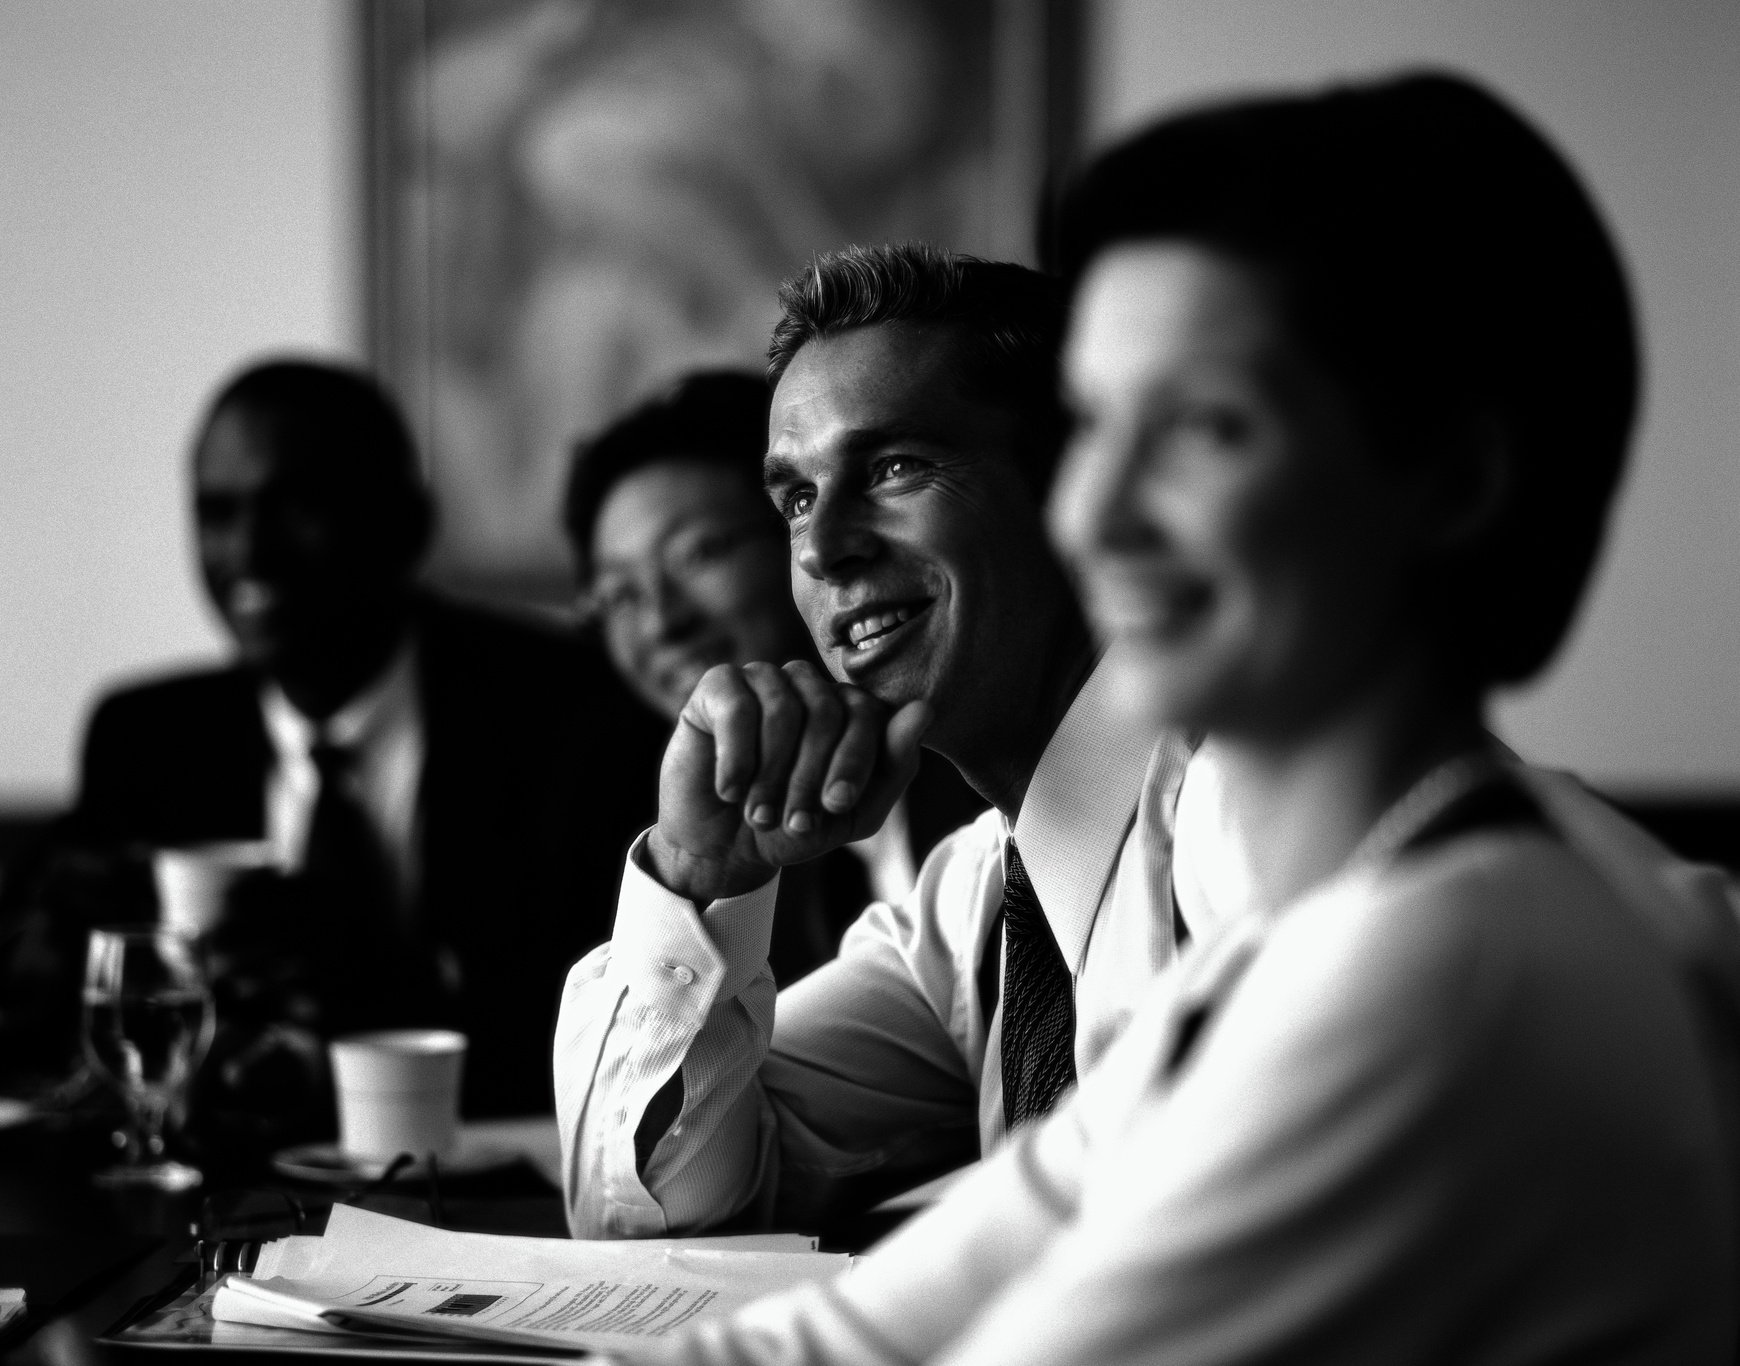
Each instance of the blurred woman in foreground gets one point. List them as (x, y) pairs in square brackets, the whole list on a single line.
[(1355, 374)]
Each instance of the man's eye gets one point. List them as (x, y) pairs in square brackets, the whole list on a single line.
[(893, 467), (795, 503)]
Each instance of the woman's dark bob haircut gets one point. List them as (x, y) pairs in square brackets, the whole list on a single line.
[(1444, 263)]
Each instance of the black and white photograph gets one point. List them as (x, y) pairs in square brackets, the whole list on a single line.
[(870, 682)]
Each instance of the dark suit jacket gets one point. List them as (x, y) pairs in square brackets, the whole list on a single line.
[(538, 771)]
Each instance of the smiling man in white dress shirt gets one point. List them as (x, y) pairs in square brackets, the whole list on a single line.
[(914, 428)]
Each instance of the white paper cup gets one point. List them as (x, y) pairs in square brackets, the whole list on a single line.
[(193, 883), (398, 1092)]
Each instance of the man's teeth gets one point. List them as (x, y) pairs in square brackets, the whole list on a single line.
[(865, 629)]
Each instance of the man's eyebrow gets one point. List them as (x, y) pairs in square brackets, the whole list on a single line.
[(776, 469), (895, 432)]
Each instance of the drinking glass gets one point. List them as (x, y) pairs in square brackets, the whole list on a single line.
[(148, 1021)]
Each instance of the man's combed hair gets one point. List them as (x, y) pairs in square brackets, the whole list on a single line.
[(1007, 319), (1437, 254)]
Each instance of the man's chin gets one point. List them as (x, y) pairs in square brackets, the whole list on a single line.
[(894, 683), (295, 663), (259, 651), (276, 638)]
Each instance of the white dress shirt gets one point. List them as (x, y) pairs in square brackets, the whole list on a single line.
[(383, 727), (887, 856), (1475, 1104), (880, 1063)]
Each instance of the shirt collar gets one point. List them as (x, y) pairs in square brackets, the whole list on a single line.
[(1078, 809), (355, 725)]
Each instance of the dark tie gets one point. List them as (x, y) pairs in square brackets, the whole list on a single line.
[(345, 855), (1038, 1003), (377, 971)]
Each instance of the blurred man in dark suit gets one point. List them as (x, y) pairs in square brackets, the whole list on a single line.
[(445, 793), (683, 564)]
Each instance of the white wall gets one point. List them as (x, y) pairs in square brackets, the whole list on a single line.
[(177, 192), (1645, 97)]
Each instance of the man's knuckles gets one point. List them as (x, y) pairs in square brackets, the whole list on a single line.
[(827, 714), (733, 710)]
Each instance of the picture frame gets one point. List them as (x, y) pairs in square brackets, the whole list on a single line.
[(572, 202)]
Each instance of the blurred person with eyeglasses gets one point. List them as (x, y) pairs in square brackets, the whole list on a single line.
[(683, 563)]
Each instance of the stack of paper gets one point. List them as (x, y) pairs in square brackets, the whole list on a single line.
[(371, 1273)]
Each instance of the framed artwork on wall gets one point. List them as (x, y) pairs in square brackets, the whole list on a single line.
[(571, 202)]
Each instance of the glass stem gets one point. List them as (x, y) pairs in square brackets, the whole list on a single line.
[(148, 1115)]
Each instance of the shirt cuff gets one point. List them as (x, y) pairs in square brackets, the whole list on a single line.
[(681, 962)]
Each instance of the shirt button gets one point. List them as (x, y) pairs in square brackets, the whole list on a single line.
[(684, 974)]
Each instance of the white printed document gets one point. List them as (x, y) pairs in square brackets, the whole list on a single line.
[(372, 1273)]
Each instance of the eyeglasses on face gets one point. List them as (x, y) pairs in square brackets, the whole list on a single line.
[(687, 560)]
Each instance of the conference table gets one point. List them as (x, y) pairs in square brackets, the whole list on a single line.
[(90, 1258), (87, 1256)]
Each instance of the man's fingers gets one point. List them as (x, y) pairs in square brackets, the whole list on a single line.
[(804, 758), (900, 751), (783, 718), (905, 734), (855, 756), (825, 720), (724, 707)]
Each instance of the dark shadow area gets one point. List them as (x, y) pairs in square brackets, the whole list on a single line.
[(20, 827), (1706, 828)]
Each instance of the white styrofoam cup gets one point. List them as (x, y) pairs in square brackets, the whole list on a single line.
[(398, 1092)]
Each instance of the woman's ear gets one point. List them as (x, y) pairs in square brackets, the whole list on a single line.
[(1468, 481)]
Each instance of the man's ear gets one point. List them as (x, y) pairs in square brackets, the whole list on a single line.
[(1468, 481)]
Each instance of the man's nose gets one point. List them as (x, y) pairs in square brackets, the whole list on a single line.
[(838, 536)]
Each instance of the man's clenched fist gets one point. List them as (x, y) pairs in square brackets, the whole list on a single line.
[(773, 765)]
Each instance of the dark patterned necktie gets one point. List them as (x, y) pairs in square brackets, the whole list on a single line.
[(1038, 1003)]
